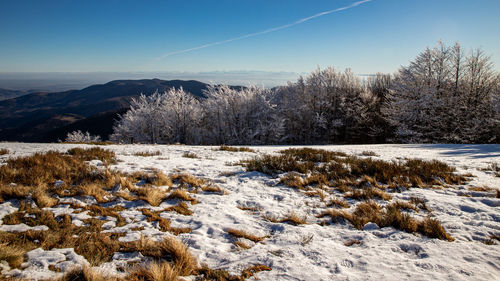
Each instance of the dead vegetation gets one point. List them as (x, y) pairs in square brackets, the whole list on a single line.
[(390, 215), (190, 155), (333, 167), (147, 153), (4, 151), (235, 149), (43, 176), (290, 218), (243, 234)]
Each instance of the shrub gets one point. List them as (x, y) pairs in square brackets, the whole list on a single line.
[(243, 234), (235, 149), (190, 155), (79, 137), (106, 156), (4, 151)]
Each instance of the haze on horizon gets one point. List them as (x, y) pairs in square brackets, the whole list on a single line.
[(132, 38)]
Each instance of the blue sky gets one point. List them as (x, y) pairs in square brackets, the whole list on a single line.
[(133, 35)]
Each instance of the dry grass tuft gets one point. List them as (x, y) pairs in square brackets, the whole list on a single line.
[(95, 190), (338, 166), (251, 271), (337, 203), (480, 188), (106, 156), (420, 203), (187, 180), (160, 179), (243, 234), (249, 208), (86, 274), (4, 151), (390, 215), (214, 189), (14, 255), (181, 208), (182, 195), (235, 149), (242, 245), (154, 271), (368, 193), (163, 223), (46, 169), (291, 218), (147, 153), (190, 155), (222, 275), (42, 199), (351, 242), (368, 153), (13, 191), (432, 228), (153, 195)]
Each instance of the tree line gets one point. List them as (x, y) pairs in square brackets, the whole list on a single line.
[(444, 95)]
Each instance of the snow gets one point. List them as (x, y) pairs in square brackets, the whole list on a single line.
[(383, 253)]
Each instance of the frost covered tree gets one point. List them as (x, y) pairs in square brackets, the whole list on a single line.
[(444, 96), (182, 115), (326, 106), (240, 116), (78, 136), (144, 122)]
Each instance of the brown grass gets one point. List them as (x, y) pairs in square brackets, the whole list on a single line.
[(95, 190), (338, 203), (222, 275), (368, 153), (368, 193), (42, 199), (181, 208), (291, 218), (480, 188), (86, 274), (420, 203), (242, 245), (163, 223), (147, 153), (235, 149), (251, 271), (187, 180), (243, 234), (190, 155), (106, 156), (337, 166), (390, 215), (153, 195), (4, 151), (249, 208), (154, 271), (214, 189), (13, 191), (351, 242), (182, 195), (14, 255), (160, 179), (47, 168)]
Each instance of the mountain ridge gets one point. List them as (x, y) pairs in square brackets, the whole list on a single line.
[(32, 117)]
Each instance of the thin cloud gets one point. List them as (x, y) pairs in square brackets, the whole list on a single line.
[(265, 31)]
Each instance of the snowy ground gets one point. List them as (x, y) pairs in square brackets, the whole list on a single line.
[(310, 251)]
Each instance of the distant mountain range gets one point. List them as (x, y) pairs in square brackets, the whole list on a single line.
[(48, 117), (6, 94)]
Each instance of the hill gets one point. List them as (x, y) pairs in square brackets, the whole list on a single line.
[(47, 117)]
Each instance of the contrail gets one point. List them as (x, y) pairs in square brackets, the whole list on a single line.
[(265, 31)]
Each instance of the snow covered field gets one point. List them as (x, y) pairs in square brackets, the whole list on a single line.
[(308, 251)]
